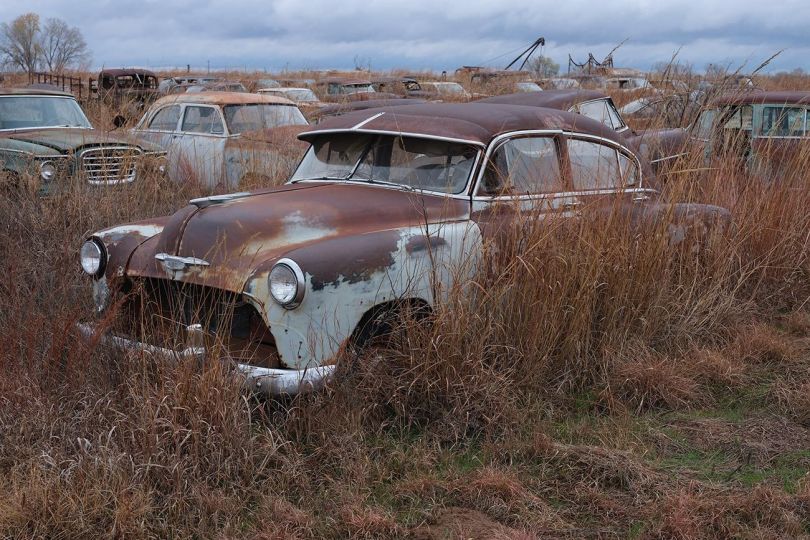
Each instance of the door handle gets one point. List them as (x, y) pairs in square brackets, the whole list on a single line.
[(571, 205)]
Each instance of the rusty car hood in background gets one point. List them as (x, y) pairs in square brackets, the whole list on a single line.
[(235, 238), (67, 139)]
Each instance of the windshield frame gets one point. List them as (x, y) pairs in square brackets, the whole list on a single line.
[(464, 192), (40, 96)]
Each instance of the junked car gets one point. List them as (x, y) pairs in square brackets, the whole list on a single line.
[(762, 130), (304, 98), (659, 146), (221, 138), (388, 208), (47, 144), (445, 90)]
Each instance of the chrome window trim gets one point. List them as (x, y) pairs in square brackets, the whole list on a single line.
[(496, 142), (225, 133), (606, 99)]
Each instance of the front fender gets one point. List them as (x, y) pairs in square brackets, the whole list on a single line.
[(347, 276)]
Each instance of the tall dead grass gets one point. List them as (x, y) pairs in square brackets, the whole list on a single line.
[(607, 307)]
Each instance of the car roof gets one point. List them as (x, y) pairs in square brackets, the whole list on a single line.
[(562, 99), (34, 92), (760, 97), (476, 123), (224, 98)]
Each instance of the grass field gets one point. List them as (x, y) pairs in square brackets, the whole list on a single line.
[(600, 384)]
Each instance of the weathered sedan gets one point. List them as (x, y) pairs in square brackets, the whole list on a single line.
[(221, 138), (47, 143), (659, 146), (386, 209), (761, 130)]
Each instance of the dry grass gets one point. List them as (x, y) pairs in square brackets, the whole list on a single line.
[(555, 395)]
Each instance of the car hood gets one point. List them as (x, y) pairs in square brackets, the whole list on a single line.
[(65, 140), (231, 240)]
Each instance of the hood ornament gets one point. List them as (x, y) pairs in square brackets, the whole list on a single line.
[(174, 263)]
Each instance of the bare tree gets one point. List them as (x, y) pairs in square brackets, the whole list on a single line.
[(19, 42), (62, 46)]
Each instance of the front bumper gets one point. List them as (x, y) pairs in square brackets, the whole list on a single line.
[(273, 382)]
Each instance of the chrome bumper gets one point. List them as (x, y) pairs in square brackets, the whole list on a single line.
[(269, 381)]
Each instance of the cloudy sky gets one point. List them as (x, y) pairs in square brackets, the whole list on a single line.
[(429, 34)]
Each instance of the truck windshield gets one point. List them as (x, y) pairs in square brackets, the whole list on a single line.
[(410, 162), (20, 112)]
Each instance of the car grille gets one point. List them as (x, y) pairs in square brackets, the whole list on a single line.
[(110, 165), (157, 311)]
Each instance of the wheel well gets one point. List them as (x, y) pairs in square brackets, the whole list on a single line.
[(379, 319)]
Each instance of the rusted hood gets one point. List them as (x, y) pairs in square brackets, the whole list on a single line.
[(237, 237)]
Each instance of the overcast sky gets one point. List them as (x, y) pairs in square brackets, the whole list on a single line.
[(429, 34)]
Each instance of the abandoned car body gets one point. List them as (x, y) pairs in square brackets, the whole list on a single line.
[(47, 143), (658, 146), (758, 129), (388, 206), (220, 137)]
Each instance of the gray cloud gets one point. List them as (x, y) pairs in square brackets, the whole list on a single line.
[(424, 34)]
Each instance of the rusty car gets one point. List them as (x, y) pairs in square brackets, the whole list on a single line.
[(303, 97), (401, 86), (658, 146), (388, 208), (760, 130), (220, 138), (47, 144)]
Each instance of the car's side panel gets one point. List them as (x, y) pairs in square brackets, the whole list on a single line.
[(347, 276)]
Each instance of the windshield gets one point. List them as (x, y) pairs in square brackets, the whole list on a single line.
[(253, 117), (412, 162), (356, 88), (18, 112), (299, 94), (449, 88), (528, 87)]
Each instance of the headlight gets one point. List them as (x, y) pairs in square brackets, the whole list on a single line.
[(47, 171), (93, 257), (286, 283)]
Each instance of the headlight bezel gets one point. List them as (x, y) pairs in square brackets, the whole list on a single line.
[(297, 275), (50, 175), (102, 257)]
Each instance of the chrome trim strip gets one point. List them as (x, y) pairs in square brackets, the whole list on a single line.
[(659, 160), (367, 120), (175, 263)]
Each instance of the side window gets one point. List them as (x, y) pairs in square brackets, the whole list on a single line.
[(166, 119), (629, 170), (615, 117), (596, 110), (202, 120), (704, 125), (593, 165), (523, 166), (783, 122)]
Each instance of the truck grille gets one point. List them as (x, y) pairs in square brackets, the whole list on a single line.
[(110, 165)]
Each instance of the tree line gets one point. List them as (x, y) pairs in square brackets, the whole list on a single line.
[(27, 44)]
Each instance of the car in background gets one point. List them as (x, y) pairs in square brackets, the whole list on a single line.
[(401, 86), (338, 109), (559, 83), (168, 84), (376, 219), (223, 138), (338, 88), (304, 98), (47, 145), (217, 86), (445, 91), (527, 86), (263, 84), (760, 130)]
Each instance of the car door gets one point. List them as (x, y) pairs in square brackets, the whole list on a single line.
[(200, 144), (160, 127), (603, 175), (522, 183)]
